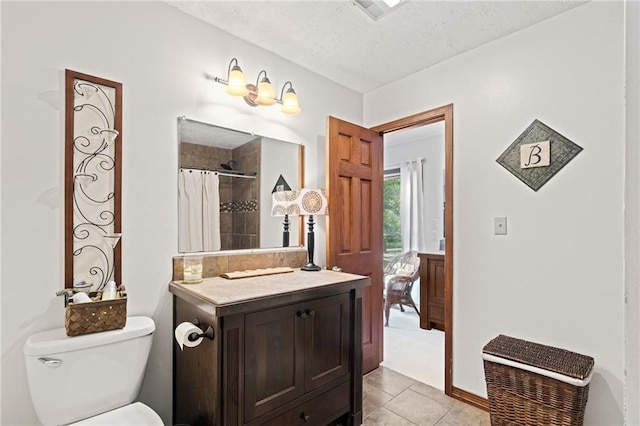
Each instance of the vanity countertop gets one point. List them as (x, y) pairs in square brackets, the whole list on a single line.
[(221, 292)]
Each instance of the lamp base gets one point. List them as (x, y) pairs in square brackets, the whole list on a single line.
[(310, 267)]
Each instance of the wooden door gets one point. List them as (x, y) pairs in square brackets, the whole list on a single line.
[(354, 230)]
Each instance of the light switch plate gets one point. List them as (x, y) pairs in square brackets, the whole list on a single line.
[(500, 225)]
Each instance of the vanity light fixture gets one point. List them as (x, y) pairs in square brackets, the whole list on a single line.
[(260, 94)]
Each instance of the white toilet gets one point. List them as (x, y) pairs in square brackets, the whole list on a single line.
[(91, 379)]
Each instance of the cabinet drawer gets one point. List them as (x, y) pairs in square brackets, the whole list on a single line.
[(318, 411)]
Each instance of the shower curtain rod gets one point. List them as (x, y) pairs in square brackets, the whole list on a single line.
[(219, 172)]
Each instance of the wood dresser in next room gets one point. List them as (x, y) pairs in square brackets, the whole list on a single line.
[(432, 290)]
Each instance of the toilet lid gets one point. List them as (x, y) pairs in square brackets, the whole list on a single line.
[(136, 414)]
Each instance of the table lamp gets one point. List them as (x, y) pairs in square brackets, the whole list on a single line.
[(311, 202)]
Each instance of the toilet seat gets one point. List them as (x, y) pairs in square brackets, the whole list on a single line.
[(136, 414)]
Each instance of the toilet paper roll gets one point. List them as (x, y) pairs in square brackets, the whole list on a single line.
[(81, 297), (182, 332)]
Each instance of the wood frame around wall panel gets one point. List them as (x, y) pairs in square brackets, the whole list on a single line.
[(70, 76)]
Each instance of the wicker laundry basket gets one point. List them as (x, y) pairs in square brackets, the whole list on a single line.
[(533, 384)]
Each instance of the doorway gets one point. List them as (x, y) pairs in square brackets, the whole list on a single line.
[(414, 231), (354, 225), (443, 114)]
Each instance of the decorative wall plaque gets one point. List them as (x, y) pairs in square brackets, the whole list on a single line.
[(538, 154), (93, 158)]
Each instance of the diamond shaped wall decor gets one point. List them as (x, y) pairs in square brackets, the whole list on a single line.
[(521, 156)]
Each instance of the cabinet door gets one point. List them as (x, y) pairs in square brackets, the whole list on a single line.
[(327, 340), (274, 359)]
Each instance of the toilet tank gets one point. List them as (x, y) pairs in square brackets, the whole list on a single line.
[(72, 378)]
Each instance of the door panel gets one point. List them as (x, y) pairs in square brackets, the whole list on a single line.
[(344, 231), (274, 359), (354, 233), (327, 339)]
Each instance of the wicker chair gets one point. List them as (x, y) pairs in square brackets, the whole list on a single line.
[(399, 275)]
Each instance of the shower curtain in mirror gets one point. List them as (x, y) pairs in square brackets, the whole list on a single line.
[(412, 226), (198, 210)]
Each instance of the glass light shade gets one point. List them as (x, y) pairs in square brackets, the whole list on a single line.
[(266, 95), (88, 90), (113, 239), (236, 84), (110, 135), (85, 179), (290, 103)]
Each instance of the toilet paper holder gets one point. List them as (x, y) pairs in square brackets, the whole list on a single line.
[(208, 333)]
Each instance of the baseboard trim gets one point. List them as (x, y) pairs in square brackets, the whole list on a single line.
[(470, 398)]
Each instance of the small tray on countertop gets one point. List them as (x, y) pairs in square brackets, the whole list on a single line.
[(256, 272)]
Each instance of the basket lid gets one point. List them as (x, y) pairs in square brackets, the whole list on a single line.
[(56, 340), (549, 358)]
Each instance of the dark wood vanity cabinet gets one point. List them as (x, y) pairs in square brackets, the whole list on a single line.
[(432, 291), (289, 360), (293, 350)]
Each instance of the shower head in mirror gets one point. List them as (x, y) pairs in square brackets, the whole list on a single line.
[(230, 165)]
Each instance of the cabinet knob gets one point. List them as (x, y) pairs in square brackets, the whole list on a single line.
[(311, 312), (305, 417), (301, 314)]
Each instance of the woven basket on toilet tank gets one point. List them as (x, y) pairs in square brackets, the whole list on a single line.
[(93, 317)]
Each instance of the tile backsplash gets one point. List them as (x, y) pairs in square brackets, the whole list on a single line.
[(214, 264)]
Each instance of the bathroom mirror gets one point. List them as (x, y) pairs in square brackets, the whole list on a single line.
[(225, 182)]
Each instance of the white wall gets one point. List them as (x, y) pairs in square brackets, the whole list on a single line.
[(278, 158), (632, 215), (557, 277), (431, 149), (160, 55)]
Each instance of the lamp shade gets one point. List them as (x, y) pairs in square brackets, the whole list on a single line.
[(284, 203), (266, 95), (312, 202), (236, 83), (290, 102)]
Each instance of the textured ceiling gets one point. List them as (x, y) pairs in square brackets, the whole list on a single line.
[(338, 40)]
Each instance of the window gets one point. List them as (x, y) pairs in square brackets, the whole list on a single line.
[(392, 238)]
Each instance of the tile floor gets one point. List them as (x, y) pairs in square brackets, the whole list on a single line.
[(393, 399)]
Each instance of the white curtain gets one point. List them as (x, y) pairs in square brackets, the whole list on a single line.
[(211, 212), (412, 226), (198, 211)]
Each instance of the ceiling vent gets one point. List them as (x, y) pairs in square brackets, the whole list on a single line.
[(378, 8)]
